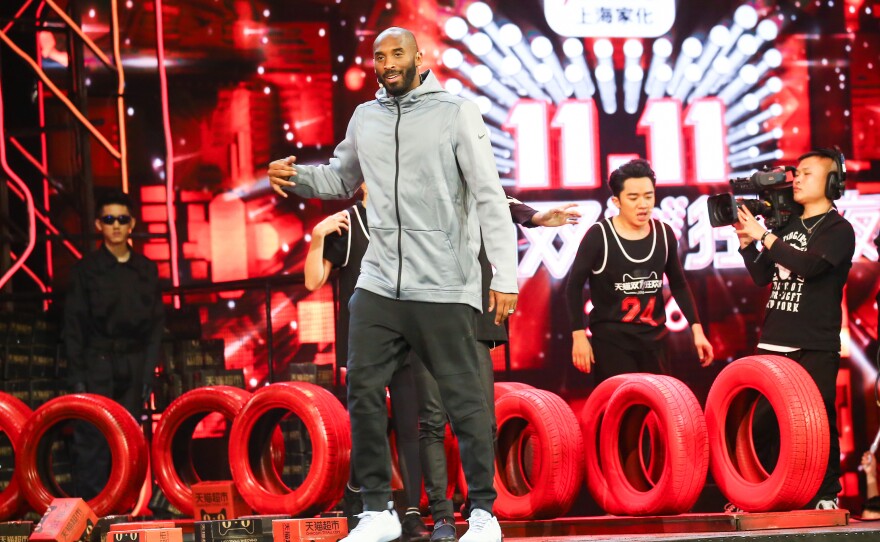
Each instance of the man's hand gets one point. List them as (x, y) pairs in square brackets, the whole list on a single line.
[(582, 352), (558, 216), (748, 229), (703, 346), (334, 223), (503, 304), (280, 172)]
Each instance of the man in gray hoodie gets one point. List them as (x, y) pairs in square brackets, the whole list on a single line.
[(426, 157)]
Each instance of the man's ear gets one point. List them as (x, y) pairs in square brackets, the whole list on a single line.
[(418, 58), (98, 224), (616, 201)]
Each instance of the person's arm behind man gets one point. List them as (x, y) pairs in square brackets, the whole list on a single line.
[(477, 162), (317, 266), (529, 217)]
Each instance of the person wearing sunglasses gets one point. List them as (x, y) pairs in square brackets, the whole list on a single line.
[(113, 322)]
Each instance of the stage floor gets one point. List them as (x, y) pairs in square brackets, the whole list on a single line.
[(800, 525)]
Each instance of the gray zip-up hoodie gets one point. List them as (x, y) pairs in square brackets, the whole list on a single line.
[(428, 164)]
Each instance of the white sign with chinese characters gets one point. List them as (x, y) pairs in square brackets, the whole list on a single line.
[(610, 18)]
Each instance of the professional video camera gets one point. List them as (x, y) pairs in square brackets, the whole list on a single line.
[(775, 201)]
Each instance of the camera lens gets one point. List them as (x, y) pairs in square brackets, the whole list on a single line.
[(722, 210)]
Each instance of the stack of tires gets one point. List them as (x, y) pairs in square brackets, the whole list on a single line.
[(642, 443), (648, 443)]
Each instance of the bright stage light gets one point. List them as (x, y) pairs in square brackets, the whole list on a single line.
[(720, 68), (452, 58), (691, 48), (577, 72), (543, 74), (751, 152), (453, 86), (603, 49), (662, 77), (767, 30), (719, 37), (479, 14), (573, 47), (662, 49), (749, 103), (632, 86), (745, 16), (511, 66), (456, 28), (484, 103), (748, 76), (740, 132), (541, 47), (774, 134), (479, 43), (633, 48), (607, 88), (481, 75), (574, 74), (510, 35)]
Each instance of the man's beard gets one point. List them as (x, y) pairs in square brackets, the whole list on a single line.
[(408, 75)]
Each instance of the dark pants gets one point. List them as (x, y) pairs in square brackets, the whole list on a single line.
[(383, 331), (118, 377), (432, 430), (822, 367), (405, 419), (613, 360)]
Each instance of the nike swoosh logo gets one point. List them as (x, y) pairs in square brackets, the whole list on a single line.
[(481, 136)]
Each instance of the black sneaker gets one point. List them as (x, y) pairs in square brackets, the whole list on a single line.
[(413, 529), (444, 531), (352, 505)]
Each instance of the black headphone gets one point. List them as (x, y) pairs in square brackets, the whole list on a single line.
[(835, 183)]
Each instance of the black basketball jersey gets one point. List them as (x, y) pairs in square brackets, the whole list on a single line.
[(627, 286)]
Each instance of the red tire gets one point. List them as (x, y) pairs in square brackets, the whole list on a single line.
[(520, 461), (173, 466), (13, 416), (681, 449), (803, 427), (327, 425), (125, 439), (591, 419), (548, 423), (503, 388)]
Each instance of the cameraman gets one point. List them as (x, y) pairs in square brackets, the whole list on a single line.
[(807, 261)]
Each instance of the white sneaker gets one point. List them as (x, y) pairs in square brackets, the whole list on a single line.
[(482, 527), (827, 504), (375, 527)]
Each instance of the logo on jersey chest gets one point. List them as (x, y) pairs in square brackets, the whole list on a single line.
[(631, 285)]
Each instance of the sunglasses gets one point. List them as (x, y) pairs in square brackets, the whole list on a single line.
[(110, 219)]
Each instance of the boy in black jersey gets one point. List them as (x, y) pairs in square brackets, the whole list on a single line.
[(807, 262), (624, 259)]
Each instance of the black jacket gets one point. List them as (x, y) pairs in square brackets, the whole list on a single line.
[(112, 307)]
